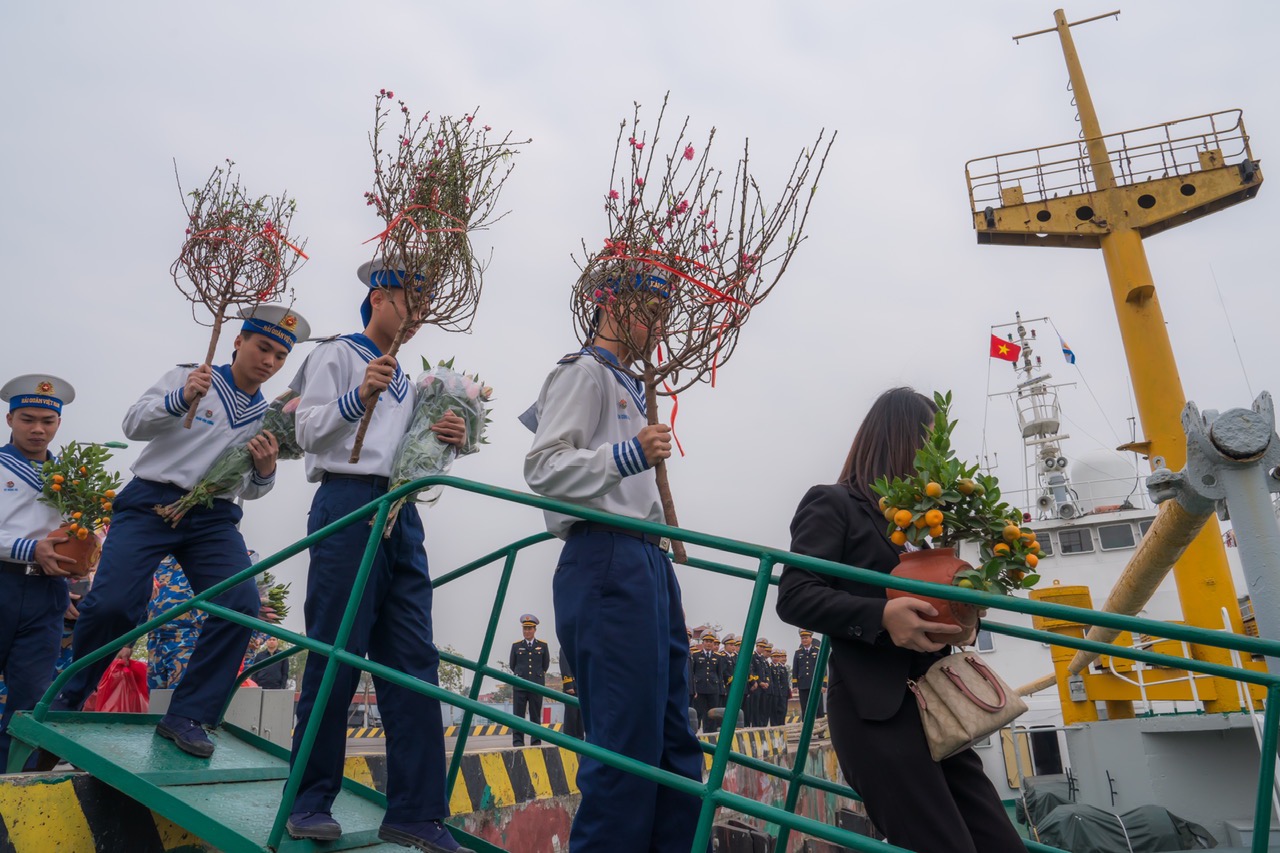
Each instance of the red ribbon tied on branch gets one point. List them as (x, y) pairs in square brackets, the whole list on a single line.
[(618, 250), (403, 216), (268, 233)]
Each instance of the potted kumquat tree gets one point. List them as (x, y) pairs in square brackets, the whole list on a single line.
[(78, 485), (946, 502)]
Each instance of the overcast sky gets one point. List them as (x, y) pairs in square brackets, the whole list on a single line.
[(891, 288)]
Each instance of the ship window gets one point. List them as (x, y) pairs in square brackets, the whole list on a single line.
[(1075, 541), (986, 641), (1144, 526), (1112, 537), (1046, 544)]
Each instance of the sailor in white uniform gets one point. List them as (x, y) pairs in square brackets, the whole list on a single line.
[(337, 383), (206, 542), (614, 588), (33, 591)]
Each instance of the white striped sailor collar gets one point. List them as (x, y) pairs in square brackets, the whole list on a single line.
[(241, 408), (368, 351), (26, 470), (633, 385)]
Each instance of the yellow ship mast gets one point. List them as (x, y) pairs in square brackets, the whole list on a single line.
[(1169, 174)]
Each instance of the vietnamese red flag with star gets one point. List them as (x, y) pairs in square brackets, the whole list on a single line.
[(1004, 350)]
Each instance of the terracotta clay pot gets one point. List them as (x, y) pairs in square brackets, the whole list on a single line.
[(85, 551), (937, 565)]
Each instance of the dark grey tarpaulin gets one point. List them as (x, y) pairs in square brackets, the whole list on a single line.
[(1041, 795), (1146, 829)]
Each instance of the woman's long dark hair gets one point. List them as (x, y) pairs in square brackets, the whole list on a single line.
[(888, 439)]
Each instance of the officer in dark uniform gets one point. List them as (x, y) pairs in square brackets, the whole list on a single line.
[(804, 669), (780, 688), (529, 659), (708, 678), (572, 713), (730, 661), (761, 676), (694, 647)]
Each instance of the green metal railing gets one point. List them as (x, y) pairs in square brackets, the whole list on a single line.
[(710, 792)]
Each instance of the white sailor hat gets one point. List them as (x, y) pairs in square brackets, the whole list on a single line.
[(377, 273), (279, 322), (528, 620), (37, 391)]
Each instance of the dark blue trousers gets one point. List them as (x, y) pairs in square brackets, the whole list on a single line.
[(392, 627), (210, 549), (621, 628), (31, 610)]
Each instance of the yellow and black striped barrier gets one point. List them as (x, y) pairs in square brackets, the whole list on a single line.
[(505, 777), (74, 812), (450, 731)]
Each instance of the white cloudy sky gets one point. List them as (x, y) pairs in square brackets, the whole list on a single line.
[(99, 99)]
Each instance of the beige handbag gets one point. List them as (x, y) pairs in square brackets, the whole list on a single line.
[(961, 702)]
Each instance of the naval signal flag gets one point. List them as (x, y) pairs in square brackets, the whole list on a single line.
[(1004, 350), (1067, 352)]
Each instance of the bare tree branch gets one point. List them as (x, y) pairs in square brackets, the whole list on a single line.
[(672, 264), (437, 184)]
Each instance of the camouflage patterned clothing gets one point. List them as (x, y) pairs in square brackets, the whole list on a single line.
[(169, 647)]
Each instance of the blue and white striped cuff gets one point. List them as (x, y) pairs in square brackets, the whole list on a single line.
[(262, 481), (175, 403), (351, 406), (629, 458), (23, 550)]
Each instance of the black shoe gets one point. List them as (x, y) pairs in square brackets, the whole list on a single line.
[(317, 826), (187, 734), (431, 836)]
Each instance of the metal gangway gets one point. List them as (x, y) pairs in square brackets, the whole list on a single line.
[(240, 799)]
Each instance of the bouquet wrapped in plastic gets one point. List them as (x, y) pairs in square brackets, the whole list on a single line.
[(421, 453), (234, 465)]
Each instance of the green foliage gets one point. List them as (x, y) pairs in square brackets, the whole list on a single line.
[(452, 676), (967, 506), (78, 485), (277, 595)]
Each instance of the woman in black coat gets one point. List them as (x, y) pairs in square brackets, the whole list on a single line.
[(877, 645)]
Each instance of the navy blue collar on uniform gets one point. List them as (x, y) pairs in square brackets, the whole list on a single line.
[(604, 354), (634, 386), (22, 467), (368, 351), (241, 408)]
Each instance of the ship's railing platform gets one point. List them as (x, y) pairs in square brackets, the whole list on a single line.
[(1165, 150), (205, 799)]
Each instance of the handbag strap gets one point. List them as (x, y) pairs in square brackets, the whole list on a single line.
[(920, 700), (980, 668)]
